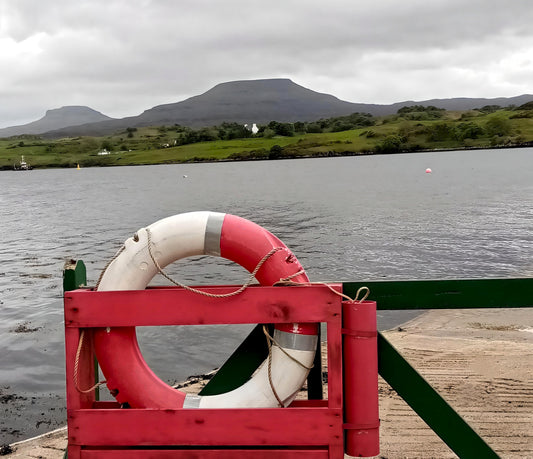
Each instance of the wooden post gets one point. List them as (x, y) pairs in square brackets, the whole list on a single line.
[(74, 275)]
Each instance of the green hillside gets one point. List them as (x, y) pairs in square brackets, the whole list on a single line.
[(412, 129)]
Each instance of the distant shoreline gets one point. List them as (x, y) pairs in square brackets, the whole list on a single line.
[(411, 129), (329, 154)]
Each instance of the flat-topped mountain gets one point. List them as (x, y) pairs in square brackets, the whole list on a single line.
[(57, 118), (248, 101), (259, 101)]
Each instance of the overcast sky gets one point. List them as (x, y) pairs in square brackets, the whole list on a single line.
[(121, 57)]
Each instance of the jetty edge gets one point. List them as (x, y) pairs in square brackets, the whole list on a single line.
[(513, 297), (480, 361)]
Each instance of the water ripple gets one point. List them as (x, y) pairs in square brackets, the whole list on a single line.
[(376, 217)]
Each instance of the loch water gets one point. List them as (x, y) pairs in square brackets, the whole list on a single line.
[(346, 219)]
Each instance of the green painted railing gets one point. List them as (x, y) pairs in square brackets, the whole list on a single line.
[(448, 293)]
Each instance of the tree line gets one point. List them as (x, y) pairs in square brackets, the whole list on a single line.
[(416, 127), (497, 128), (184, 135)]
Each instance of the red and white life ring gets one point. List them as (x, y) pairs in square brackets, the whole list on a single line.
[(202, 233)]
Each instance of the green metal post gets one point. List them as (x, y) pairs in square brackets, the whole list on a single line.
[(74, 275), (240, 365)]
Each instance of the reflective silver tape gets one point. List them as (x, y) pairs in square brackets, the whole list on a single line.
[(192, 401), (295, 341), (213, 230)]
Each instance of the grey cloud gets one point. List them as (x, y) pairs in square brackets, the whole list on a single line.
[(121, 57)]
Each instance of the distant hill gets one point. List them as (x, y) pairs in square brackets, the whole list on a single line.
[(57, 118), (250, 101), (466, 103), (256, 101)]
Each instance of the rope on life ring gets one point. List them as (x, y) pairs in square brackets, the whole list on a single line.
[(293, 346)]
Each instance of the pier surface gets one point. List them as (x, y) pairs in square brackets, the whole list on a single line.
[(480, 361)]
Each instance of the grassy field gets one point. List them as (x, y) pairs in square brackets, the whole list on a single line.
[(392, 134)]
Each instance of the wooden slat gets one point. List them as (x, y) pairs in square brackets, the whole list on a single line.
[(334, 355), (206, 427), (207, 454), (171, 306)]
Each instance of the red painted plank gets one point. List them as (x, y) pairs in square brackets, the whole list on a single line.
[(335, 362), (73, 452), (173, 306), (309, 403), (206, 427), (85, 369), (106, 405), (207, 454)]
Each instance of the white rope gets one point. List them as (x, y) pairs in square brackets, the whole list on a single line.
[(270, 340), (76, 369), (107, 265), (289, 282), (201, 292)]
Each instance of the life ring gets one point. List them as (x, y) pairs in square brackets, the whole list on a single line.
[(128, 376)]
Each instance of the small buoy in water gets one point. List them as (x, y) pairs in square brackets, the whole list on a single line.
[(428, 171), (184, 176), (78, 167)]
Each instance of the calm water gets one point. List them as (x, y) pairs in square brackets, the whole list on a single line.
[(350, 218)]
